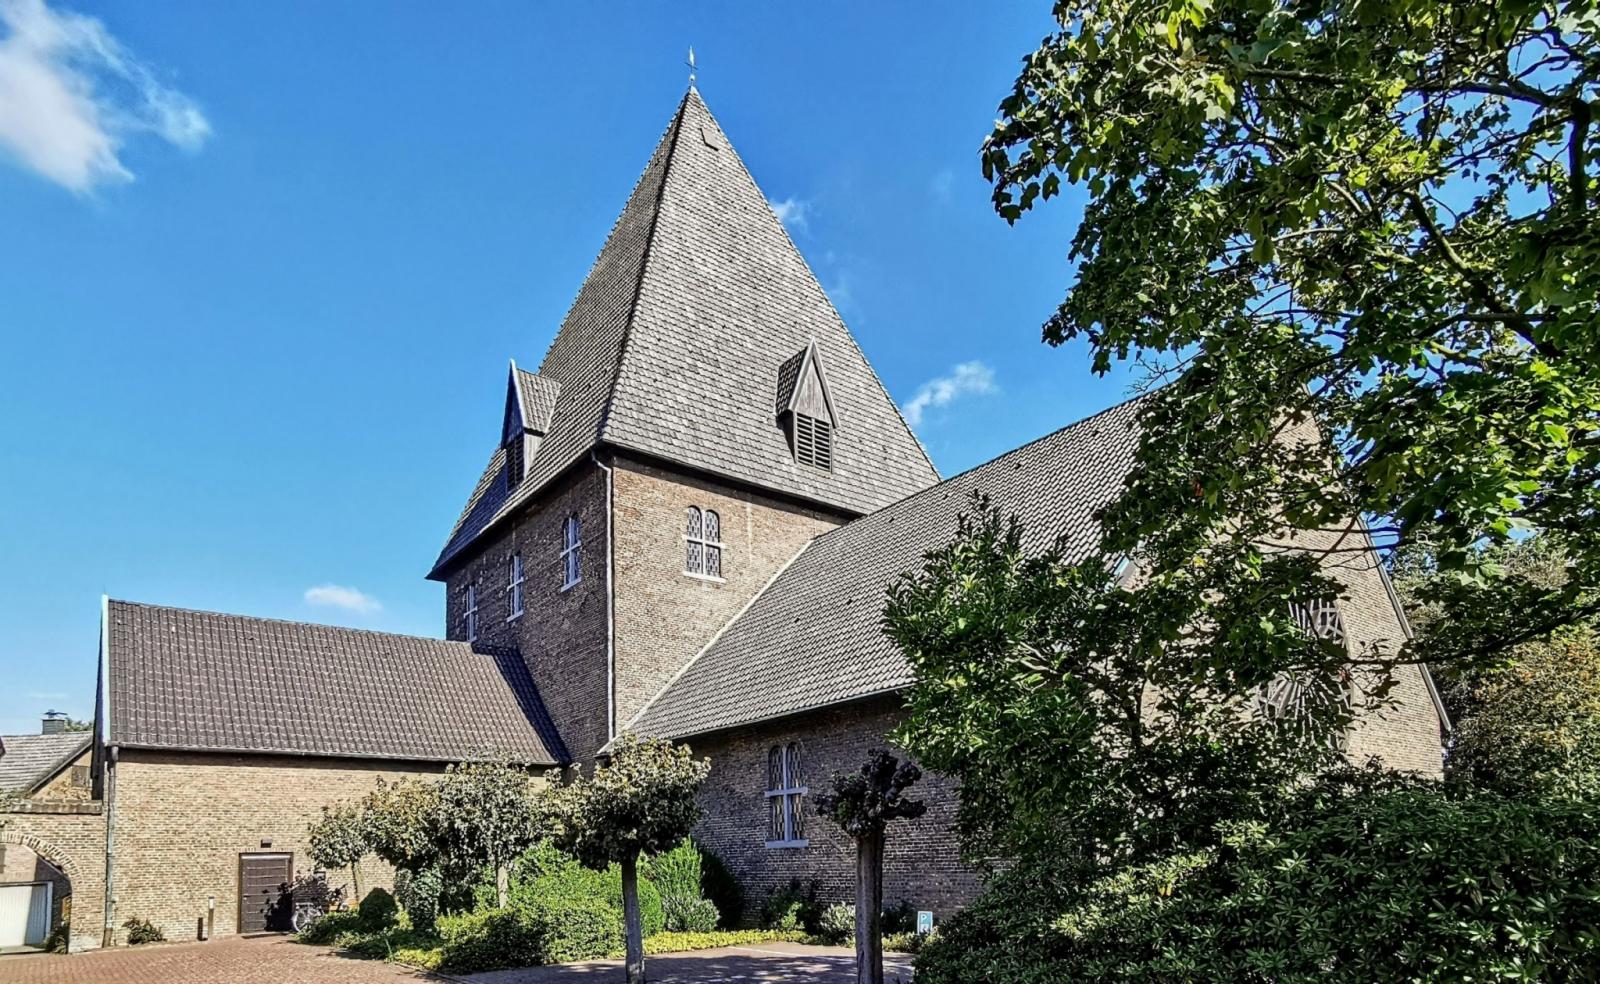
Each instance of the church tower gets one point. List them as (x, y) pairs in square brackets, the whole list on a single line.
[(702, 413)]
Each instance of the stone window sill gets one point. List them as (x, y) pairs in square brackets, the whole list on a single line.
[(789, 843)]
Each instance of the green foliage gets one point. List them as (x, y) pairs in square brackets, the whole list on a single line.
[(837, 925), (907, 941), (640, 802), (419, 895), (59, 937), (142, 931), (676, 873), (793, 908), (339, 839), (1378, 217), (485, 816), (864, 802), (332, 926), (680, 942), (1076, 723), (1361, 877), (686, 915), (378, 911), (899, 918), (490, 939), (399, 821), (719, 885), (561, 882)]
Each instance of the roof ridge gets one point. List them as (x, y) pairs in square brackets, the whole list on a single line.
[(486, 650), (675, 130)]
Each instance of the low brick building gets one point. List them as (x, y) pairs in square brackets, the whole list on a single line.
[(685, 527)]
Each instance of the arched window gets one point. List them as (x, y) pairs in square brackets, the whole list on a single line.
[(786, 793), (571, 551), (702, 541), (1294, 699)]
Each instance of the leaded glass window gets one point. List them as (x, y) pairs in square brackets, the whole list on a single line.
[(702, 541), (786, 794)]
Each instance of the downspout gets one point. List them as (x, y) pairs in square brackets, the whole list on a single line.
[(611, 603), (108, 937)]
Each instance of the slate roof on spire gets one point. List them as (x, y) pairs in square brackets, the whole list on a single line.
[(674, 344)]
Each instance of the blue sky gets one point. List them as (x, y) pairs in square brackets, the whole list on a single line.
[(263, 265)]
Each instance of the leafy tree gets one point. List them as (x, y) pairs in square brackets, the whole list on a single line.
[(400, 819), (863, 804), (339, 840), (641, 801), (485, 816), (1360, 240), (1528, 724), (1083, 742)]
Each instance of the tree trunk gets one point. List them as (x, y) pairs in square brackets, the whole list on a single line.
[(502, 883), (630, 918), (355, 880), (869, 909)]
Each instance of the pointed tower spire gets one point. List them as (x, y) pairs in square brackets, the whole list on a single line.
[(697, 312)]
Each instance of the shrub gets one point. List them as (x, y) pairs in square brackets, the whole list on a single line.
[(576, 927), (56, 942), (900, 918), (331, 927), (907, 941), (489, 940), (793, 907), (141, 931), (718, 884), (675, 873), (689, 915), (378, 911), (1374, 881), (837, 925), (558, 878), (418, 893), (390, 944), (680, 942)]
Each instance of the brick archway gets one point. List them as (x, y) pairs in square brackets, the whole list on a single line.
[(72, 838)]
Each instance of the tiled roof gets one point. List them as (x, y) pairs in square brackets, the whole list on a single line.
[(675, 342), (539, 395), (30, 760), (814, 637), (209, 682)]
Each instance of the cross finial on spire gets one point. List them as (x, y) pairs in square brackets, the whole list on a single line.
[(691, 66)]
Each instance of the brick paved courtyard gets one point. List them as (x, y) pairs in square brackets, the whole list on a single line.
[(238, 960)]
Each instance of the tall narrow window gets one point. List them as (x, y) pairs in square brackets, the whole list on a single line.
[(786, 793), (514, 585), (472, 613), (571, 551), (703, 543), (813, 441)]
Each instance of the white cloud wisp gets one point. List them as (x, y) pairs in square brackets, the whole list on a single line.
[(338, 596), (70, 93), (965, 379)]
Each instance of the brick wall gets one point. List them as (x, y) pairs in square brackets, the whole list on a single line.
[(562, 632), (62, 788), (183, 819), (71, 837), (921, 862), (665, 616)]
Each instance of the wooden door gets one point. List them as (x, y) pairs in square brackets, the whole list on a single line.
[(263, 892)]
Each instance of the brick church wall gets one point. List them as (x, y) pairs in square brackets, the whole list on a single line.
[(562, 632), (921, 862), (665, 616), (182, 820)]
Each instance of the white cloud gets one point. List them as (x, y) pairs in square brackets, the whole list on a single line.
[(941, 185), (793, 212), (966, 379), (350, 599), (70, 94)]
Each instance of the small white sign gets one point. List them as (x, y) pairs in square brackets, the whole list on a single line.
[(924, 921)]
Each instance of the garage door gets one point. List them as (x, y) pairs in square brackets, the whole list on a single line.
[(263, 902), (24, 914)]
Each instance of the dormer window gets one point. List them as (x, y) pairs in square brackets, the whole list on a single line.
[(703, 543), (472, 613), (813, 442), (805, 409)]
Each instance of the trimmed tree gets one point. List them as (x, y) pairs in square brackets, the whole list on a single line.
[(862, 804), (485, 815), (640, 802), (339, 840)]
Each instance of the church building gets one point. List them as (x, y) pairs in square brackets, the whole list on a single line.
[(685, 526)]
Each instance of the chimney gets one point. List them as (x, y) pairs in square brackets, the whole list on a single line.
[(55, 722)]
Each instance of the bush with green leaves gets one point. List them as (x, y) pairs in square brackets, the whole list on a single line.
[(1360, 877), (685, 915), (142, 931), (676, 873), (491, 939), (339, 841), (837, 925), (59, 937), (378, 911), (418, 893), (795, 906), (719, 885), (332, 926)]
